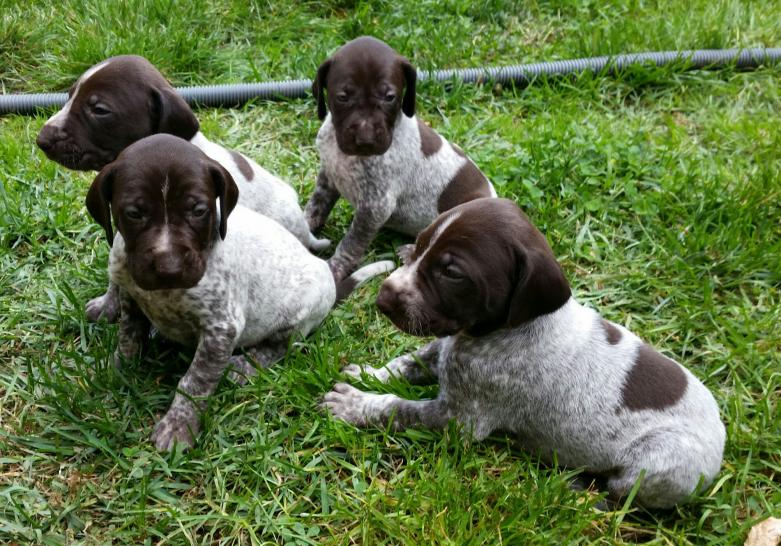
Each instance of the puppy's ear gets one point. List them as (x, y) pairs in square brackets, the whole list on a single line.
[(318, 86), (171, 114), (541, 287), (99, 200), (410, 77), (227, 191)]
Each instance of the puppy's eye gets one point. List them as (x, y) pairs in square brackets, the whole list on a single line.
[(452, 272), (390, 97), (200, 210), (342, 97), (133, 213), (100, 110)]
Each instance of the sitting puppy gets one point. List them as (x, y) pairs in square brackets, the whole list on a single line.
[(515, 352), (393, 169), (201, 277), (124, 99)]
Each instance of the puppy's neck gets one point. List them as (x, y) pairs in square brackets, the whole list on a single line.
[(541, 330)]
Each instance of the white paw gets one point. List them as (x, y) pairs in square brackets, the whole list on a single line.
[(356, 371), (347, 403), (176, 427)]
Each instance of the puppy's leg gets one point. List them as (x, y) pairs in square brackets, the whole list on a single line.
[(182, 421), (363, 409), (105, 306), (321, 202), (671, 466), (419, 368), (265, 354), (133, 328), (368, 220)]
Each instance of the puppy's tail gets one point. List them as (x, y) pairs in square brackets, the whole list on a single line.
[(316, 245), (347, 285)]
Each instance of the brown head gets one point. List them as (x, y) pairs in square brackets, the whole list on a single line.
[(112, 105), (362, 85), (478, 267), (163, 195)]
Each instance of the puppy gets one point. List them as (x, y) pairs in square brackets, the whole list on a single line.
[(124, 99), (203, 273), (393, 169), (516, 352)]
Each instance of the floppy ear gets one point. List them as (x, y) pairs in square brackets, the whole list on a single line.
[(410, 76), (99, 200), (541, 287), (227, 191), (318, 86), (172, 114)]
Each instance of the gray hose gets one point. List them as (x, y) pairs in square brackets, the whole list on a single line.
[(523, 74)]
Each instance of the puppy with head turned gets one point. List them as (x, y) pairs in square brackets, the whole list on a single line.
[(515, 352), (395, 171)]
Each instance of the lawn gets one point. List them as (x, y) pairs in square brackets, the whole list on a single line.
[(659, 191)]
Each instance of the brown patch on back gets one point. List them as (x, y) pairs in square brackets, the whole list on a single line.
[(613, 333), (244, 167), (430, 142), (654, 382), (468, 184)]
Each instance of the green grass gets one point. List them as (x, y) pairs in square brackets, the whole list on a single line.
[(658, 191)]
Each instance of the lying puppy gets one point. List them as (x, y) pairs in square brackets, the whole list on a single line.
[(515, 352), (124, 99), (393, 169), (201, 277)]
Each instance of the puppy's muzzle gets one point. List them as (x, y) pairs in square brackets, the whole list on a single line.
[(48, 138), (388, 300)]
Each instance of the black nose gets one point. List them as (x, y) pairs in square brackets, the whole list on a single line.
[(387, 299), (168, 266), (45, 139)]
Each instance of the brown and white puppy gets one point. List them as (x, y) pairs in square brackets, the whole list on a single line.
[(515, 352), (393, 168), (205, 272), (124, 99)]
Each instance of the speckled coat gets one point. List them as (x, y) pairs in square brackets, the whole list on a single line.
[(252, 301), (403, 189)]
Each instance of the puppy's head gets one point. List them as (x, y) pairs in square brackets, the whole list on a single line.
[(112, 105), (162, 193), (364, 81), (478, 267)]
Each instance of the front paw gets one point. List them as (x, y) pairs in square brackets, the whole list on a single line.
[(105, 306), (348, 404), (357, 371), (176, 427), (241, 369)]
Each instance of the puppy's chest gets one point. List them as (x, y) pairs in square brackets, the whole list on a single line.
[(180, 314)]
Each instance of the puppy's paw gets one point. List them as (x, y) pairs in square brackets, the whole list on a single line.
[(176, 427), (352, 405), (241, 369), (357, 371), (105, 307)]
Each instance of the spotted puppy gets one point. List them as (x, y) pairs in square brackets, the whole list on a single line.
[(203, 273), (515, 352), (393, 169), (125, 98)]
